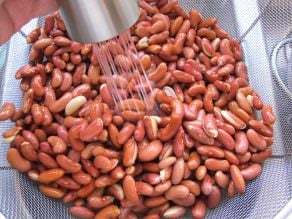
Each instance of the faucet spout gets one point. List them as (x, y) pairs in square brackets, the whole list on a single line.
[(94, 21)]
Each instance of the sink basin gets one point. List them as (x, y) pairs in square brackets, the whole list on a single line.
[(264, 29)]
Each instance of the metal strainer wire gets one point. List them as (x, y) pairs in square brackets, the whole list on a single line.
[(263, 27)]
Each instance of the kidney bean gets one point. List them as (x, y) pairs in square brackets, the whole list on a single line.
[(261, 156), (155, 201), (100, 202), (152, 178), (187, 202), (70, 197), (58, 144), (197, 133), (244, 158), (221, 179), (178, 171), (231, 191), (37, 86), (167, 8), (139, 133), (243, 115), (86, 190), (225, 47), (149, 152), (79, 202), (11, 132), (194, 161), (179, 42), (207, 47), (104, 164), (74, 156), (117, 120), (162, 187), (160, 209), (17, 161), (215, 164), (210, 126), (151, 127), (192, 186), (176, 25), (130, 190), (185, 27), (46, 148), (51, 192), (256, 139), (132, 116), (113, 134), (130, 152), (82, 178), (243, 102), (33, 175), (231, 157), (268, 115), (34, 54), (81, 212), (252, 171), (195, 18), (233, 120), (191, 111), (31, 138), (51, 175), (148, 7), (8, 109), (174, 212), (100, 150), (151, 167), (110, 211), (183, 77), (207, 184), (42, 43), (117, 191), (144, 189), (210, 151), (68, 183), (28, 151), (68, 164), (237, 178), (89, 168), (241, 143), (176, 192), (261, 128), (86, 49), (47, 160), (178, 144), (199, 210), (125, 133), (34, 35), (197, 89), (187, 172), (117, 173), (206, 32), (214, 198)]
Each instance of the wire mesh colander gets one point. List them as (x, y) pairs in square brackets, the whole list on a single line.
[(264, 29)]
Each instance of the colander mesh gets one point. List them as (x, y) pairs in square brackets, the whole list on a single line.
[(260, 25)]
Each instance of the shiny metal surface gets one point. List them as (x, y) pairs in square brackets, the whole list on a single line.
[(93, 21)]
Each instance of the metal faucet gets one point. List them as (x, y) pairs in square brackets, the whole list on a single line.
[(93, 21)]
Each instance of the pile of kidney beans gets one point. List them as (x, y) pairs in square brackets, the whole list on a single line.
[(111, 161)]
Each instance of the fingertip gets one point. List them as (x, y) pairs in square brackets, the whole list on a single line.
[(44, 7)]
